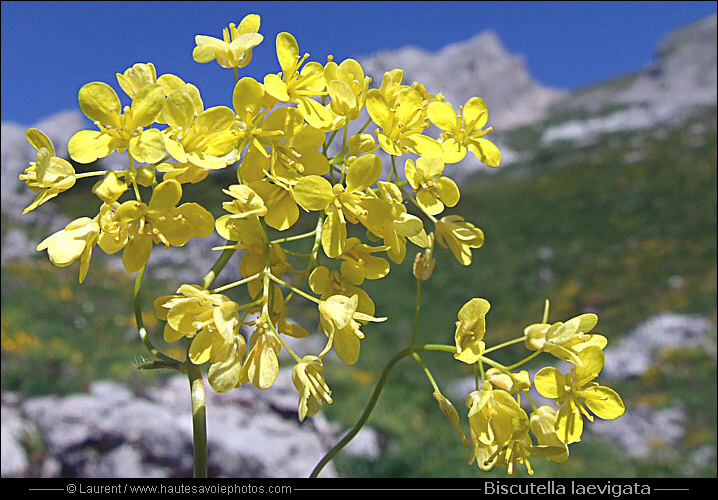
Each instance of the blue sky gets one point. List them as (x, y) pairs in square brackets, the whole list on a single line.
[(50, 49)]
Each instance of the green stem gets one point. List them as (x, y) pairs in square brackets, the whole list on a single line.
[(423, 366), (525, 360), (199, 418), (293, 289), (160, 365), (294, 238), (137, 299), (218, 266), (505, 344), (236, 283), (91, 174), (365, 415), (417, 312)]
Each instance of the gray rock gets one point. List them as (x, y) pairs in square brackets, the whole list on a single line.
[(643, 430), (633, 355), (479, 67), (112, 432), (14, 460), (683, 76)]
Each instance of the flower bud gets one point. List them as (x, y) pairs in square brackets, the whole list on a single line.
[(424, 262), (450, 412)]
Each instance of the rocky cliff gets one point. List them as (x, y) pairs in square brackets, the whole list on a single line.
[(480, 67)]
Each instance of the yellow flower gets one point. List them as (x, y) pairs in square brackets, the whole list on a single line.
[(48, 175), (576, 391), (460, 236), (289, 164), (347, 86), (326, 283), (75, 241), (464, 132), (202, 140), (512, 383), (109, 188), (246, 203), (210, 320), (136, 77), (432, 190), (261, 367), (543, 426), (401, 119), (119, 131), (564, 340), (397, 225), (257, 130), (160, 221), (424, 263), (342, 204), (235, 49), (308, 379), (494, 418), (499, 429), (519, 447), (282, 209), (358, 259), (470, 330), (338, 317), (224, 374), (170, 83), (299, 86)]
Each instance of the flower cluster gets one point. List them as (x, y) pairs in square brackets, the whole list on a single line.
[(297, 144), (502, 433)]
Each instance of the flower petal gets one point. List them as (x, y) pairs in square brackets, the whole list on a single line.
[(313, 192), (99, 102)]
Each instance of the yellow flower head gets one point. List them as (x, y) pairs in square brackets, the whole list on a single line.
[(161, 221), (246, 203), (109, 188), (494, 419), (565, 340), (202, 140), (345, 204), (401, 119), (464, 132), (235, 48), (359, 260), (308, 379), (119, 130), (224, 373), (75, 241), (136, 77), (340, 321), (261, 367), (210, 320), (48, 175), (299, 86), (326, 283), (347, 86), (576, 393), (460, 236), (543, 426), (470, 330), (432, 190)]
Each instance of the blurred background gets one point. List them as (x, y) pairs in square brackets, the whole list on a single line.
[(605, 202)]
